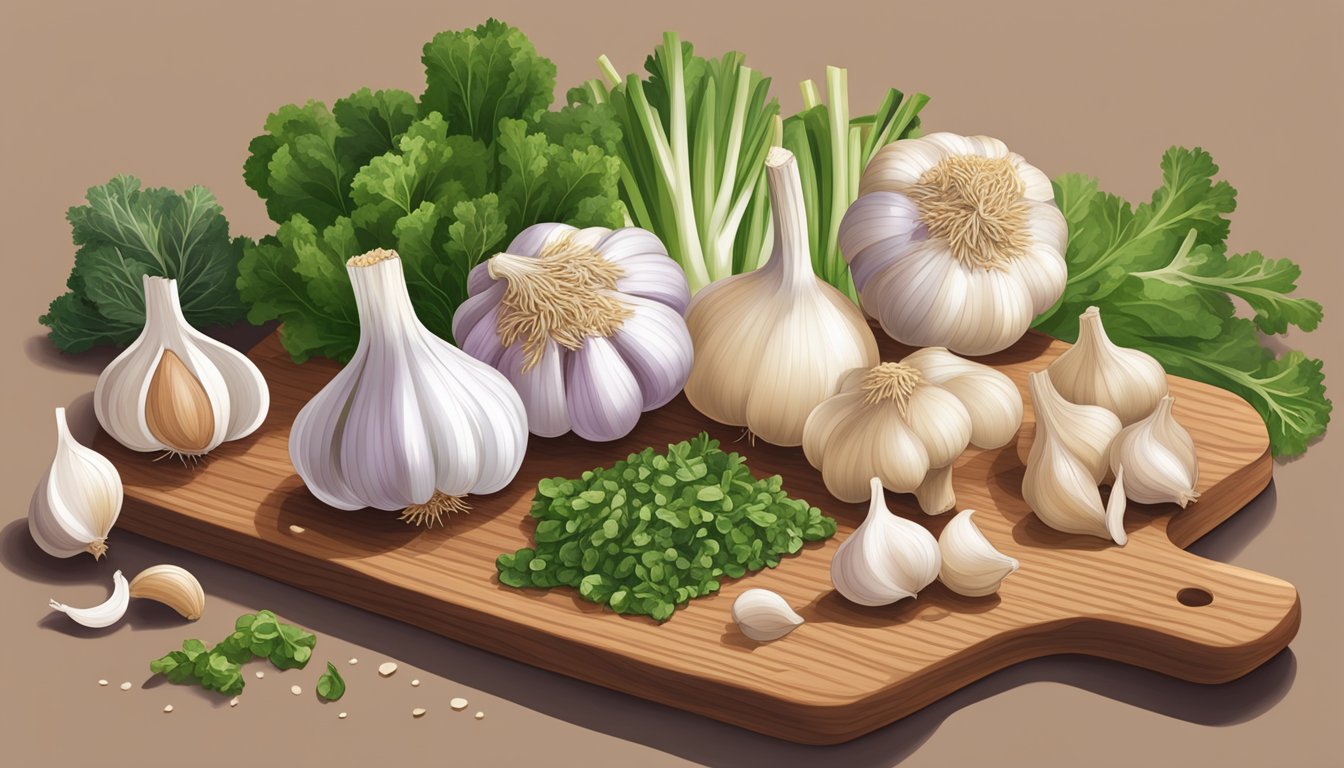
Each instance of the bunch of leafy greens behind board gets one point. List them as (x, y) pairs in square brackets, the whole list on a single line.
[(124, 233), (220, 668), (655, 531), (1164, 282), (446, 180)]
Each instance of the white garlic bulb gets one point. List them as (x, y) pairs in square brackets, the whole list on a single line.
[(1059, 488), (77, 501), (176, 389), (763, 615), (411, 423), (105, 614), (971, 565), (586, 323), (990, 397), (1095, 371), (1086, 431), (1159, 458), (771, 344), (173, 586), (886, 559), (954, 241)]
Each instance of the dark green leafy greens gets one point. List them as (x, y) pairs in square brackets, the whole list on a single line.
[(1162, 277), (123, 233), (656, 530), (331, 686), (255, 635), (446, 180)]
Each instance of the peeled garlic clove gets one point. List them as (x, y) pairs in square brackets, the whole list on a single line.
[(991, 398), (935, 494), (971, 565), (886, 559), (78, 500), (105, 615), (1159, 456), (176, 389), (763, 615), (1086, 431), (1061, 491), (173, 586), (1095, 371)]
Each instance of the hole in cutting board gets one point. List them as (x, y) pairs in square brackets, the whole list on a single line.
[(1194, 597)]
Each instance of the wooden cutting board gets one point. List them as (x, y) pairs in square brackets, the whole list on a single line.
[(849, 669)]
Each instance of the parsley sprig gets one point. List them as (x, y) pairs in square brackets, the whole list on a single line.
[(255, 635)]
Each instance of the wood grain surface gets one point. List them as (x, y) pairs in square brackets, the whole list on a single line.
[(849, 669)]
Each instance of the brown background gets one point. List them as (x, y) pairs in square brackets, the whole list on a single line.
[(174, 91)]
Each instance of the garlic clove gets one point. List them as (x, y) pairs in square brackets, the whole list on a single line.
[(78, 500), (656, 346), (105, 614), (886, 559), (177, 408), (602, 394), (649, 272), (764, 616), (1085, 431), (1115, 509), (1095, 371), (940, 421), (173, 586), (990, 397), (872, 442), (971, 565), (935, 494), (1042, 264), (1159, 455), (1061, 491), (542, 388)]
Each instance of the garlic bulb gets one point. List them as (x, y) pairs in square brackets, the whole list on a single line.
[(411, 423), (173, 586), (105, 614), (586, 323), (1059, 488), (954, 241), (77, 501), (990, 397), (971, 565), (1094, 371), (886, 559), (176, 389), (763, 615), (771, 344), (1085, 431), (1159, 459)]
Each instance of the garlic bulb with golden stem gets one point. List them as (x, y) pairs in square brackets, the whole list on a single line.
[(1095, 371), (771, 344), (1086, 431), (971, 565), (1159, 459), (886, 559), (77, 502)]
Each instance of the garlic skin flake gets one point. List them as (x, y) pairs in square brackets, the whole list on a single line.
[(1086, 431), (411, 423), (773, 343), (1159, 458), (954, 241), (764, 616), (176, 389), (173, 586), (77, 501), (971, 565), (1059, 488), (586, 323), (886, 559), (105, 614), (1095, 371)]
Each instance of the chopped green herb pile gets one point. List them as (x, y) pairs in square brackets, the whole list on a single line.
[(656, 530), (255, 635), (1161, 275), (331, 686)]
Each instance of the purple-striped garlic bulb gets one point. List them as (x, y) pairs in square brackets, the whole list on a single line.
[(586, 323)]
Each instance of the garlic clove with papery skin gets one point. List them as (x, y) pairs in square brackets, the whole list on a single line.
[(971, 565), (105, 614), (1096, 371), (173, 586), (1159, 456), (176, 389), (764, 616), (886, 559), (1059, 488), (77, 501), (1086, 431), (990, 397)]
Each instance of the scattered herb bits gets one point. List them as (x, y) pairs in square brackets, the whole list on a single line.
[(258, 634), (656, 530), (331, 686)]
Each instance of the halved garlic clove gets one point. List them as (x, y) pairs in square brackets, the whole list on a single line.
[(1086, 431), (971, 565), (763, 615), (1059, 488), (1159, 455), (173, 586), (78, 500), (106, 614), (1096, 371), (886, 559)]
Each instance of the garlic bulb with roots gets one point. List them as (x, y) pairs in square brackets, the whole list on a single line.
[(77, 501), (773, 343), (954, 241), (586, 323), (411, 423), (886, 559), (1159, 458), (1096, 371)]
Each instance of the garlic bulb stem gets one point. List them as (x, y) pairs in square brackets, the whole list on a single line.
[(789, 258), (77, 502)]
